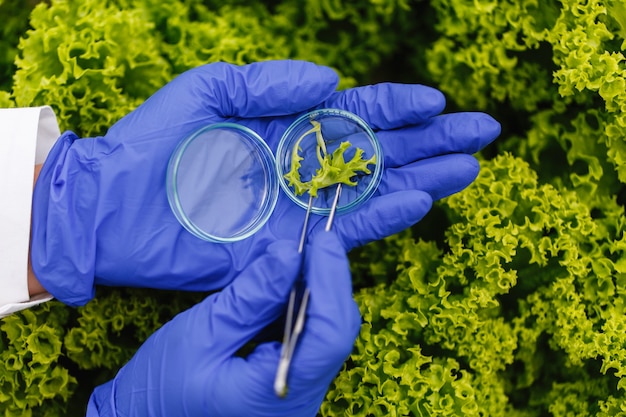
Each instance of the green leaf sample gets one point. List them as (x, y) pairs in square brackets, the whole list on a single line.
[(333, 167)]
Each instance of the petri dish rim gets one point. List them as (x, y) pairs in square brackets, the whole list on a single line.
[(376, 173), (264, 154)]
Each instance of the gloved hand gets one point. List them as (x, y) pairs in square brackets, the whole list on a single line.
[(100, 210), (189, 367)]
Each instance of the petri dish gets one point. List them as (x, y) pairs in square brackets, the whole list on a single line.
[(335, 127), (221, 182)]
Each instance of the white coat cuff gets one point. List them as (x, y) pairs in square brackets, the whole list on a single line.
[(26, 136)]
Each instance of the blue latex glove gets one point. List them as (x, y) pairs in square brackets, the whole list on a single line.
[(100, 211), (189, 368)]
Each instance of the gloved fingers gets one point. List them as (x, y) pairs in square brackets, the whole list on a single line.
[(390, 105), (244, 384), (404, 197), (220, 91), (333, 318), (246, 388), (269, 88), (382, 216), (253, 300), (444, 134), (333, 322), (439, 176)]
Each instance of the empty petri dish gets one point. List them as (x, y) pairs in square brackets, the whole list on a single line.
[(319, 133), (221, 182)]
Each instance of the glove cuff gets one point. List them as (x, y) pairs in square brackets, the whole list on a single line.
[(63, 238)]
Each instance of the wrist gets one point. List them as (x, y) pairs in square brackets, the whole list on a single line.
[(34, 286)]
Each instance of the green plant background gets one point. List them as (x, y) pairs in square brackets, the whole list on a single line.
[(506, 300)]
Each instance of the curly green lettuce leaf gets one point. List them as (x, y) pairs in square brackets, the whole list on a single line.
[(334, 169)]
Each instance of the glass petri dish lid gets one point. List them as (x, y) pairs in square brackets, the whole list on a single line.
[(300, 144), (221, 182)]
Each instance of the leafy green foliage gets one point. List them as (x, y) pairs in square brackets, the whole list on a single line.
[(14, 22), (78, 58), (95, 61), (42, 349), (523, 313), (508, 299), (31, 376), (562, 60)]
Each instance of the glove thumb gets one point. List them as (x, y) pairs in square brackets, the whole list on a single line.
[(255, 299)]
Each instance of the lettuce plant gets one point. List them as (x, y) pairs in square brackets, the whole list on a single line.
[(560, 61), (15, 21), (523, 297)]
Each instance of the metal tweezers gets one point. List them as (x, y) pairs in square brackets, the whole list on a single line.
[(293, 330)]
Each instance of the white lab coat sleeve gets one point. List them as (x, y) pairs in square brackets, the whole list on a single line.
[(26, 136)]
